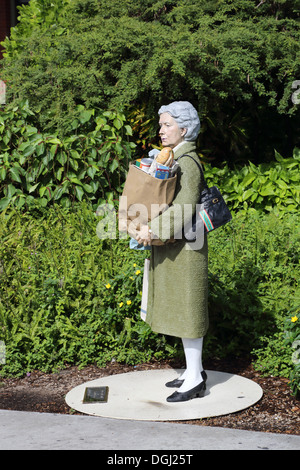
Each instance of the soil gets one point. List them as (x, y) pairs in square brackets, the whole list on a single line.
[(277, 411)]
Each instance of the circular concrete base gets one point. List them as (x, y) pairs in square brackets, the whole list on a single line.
[(141, 395)]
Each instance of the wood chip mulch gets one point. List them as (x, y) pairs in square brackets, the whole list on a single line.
[(277, 411)]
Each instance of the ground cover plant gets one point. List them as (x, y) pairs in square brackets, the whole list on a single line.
[(254, 291), (267, 187), (57, 305), (67, 297)]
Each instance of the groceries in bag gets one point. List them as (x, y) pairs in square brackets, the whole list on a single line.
[(145, 164), (162, 172), (165, 156), (162, 166), (144, 197)]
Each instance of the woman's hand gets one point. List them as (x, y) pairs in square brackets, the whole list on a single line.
[(144, 236)]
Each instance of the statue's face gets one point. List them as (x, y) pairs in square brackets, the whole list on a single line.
[(170, 133)]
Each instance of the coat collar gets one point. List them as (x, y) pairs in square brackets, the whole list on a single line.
[(186, 147)]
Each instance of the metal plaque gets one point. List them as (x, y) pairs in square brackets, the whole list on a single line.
[(95, 395)]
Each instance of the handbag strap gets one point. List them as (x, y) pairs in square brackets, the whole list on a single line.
[(199, 166)]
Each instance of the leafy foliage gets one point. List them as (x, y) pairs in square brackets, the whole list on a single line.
[(292, 340), (280, 353), (38, 169), (265, 187), (67, 297), (37, 14), (255, 282), (236, 61)]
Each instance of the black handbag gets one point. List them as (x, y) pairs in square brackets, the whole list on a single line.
[(211, 212)]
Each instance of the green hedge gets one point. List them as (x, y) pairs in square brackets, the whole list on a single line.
[(38, 169), (236, 62), (68, 297)]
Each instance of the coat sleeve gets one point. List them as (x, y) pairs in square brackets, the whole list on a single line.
[(170, 223)]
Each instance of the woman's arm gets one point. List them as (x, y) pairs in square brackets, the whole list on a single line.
[(171, 222)]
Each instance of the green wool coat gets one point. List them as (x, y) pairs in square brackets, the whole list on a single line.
[(178, 277)]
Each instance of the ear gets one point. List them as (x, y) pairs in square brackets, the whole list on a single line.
[(183, 132)]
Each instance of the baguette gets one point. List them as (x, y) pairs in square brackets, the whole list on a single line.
[(165, 156)]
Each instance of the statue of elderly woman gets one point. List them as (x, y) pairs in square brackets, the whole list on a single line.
[(178, 277)]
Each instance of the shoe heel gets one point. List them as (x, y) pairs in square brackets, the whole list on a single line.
[(201, 393)]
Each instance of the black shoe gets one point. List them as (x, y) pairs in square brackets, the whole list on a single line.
[(196, 392), (176, 383)]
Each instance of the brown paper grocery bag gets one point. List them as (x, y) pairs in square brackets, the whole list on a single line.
[(144, 198)]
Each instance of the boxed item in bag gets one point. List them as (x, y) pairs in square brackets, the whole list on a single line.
[(162, 172)]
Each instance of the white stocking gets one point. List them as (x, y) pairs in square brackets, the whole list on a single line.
[(193, 357)]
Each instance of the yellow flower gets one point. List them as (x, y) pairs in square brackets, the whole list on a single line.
[(134, 265), (121, 304), (130, 277), (108, 286), (128, 302), (294, 319), (137, 272)]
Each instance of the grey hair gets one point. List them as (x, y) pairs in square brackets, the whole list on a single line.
[(186, 117)]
